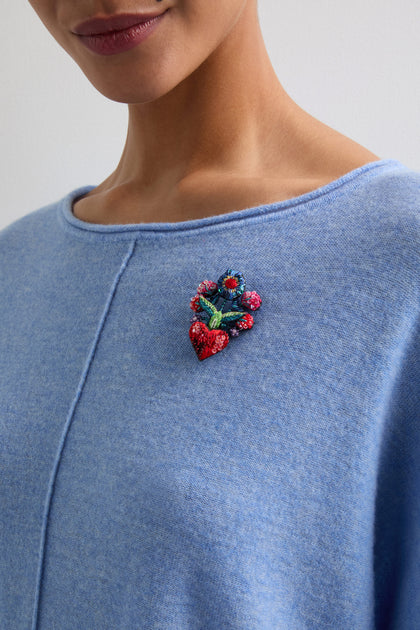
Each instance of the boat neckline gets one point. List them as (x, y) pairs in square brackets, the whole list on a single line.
[(281, 208)]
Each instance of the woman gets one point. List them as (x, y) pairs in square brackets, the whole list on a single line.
[(272, 483)]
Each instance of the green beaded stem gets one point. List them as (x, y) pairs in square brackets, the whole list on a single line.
[(217, 318)]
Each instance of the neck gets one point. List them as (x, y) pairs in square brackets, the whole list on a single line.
[(222, 118)]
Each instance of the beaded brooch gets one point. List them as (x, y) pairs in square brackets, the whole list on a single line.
[(212, 336)]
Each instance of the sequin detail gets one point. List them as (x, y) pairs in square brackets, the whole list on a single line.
[(219, 312)]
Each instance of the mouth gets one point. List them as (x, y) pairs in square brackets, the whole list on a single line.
[(118, 33), (104, 25)]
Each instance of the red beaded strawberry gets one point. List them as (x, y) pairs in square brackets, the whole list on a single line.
[(211, 337)]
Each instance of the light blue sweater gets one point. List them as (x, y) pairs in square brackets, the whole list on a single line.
[(274, 485)]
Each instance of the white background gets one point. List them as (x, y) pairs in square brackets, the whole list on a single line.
[(353, 65)]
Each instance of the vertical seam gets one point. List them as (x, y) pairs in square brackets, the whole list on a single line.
[(70, 416)]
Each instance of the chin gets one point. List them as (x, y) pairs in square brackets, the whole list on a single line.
[(130, 92), (132, 89), (130, 95)]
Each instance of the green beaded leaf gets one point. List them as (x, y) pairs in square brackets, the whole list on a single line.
[(207, 306), (215, 320), (231, 316)]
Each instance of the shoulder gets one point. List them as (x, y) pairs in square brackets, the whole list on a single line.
[(393, 202), (38, 225), (35, 219), (28, 240), (395, 192), (384, 199), (389, 222)]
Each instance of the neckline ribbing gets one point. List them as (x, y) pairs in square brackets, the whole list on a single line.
[(283, 208)]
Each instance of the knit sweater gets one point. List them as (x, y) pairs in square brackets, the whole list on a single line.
[(273, 484)]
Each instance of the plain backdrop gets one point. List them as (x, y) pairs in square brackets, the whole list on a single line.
[(353, 65)]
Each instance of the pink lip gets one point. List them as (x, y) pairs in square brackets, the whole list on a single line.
[(99, 25), (109, 36)]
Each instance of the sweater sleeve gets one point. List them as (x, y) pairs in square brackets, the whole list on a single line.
[(397, 510)]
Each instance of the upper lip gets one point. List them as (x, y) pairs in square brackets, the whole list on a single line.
[(97, 25)]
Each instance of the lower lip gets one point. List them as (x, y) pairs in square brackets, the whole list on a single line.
[(120, 41)]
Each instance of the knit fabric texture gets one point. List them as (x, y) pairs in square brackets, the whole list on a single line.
[(274, 485)]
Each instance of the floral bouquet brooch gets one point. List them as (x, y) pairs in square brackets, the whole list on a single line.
[(211, 325)]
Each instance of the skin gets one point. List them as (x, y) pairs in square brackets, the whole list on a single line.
[(210, 127)]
